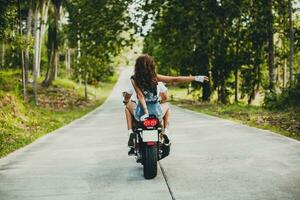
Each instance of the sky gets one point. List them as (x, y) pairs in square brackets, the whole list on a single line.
[(133, 11)]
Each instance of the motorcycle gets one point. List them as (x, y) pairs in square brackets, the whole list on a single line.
[(149, 145)]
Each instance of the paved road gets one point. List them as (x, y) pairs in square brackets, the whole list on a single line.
[(211, 159)]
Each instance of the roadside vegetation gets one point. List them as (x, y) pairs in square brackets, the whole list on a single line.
[(58, 61), (274, 116), (22, 122), (249, 49)]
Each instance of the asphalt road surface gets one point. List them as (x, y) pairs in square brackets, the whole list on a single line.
[(211, 159)]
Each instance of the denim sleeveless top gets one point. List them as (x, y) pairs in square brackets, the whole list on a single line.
[(150, 95), (153, 109), (152, 102)]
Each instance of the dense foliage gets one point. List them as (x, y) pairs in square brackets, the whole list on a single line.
[(76, 38), (100, 26), (242, 45), (250, 49), (288, 98)]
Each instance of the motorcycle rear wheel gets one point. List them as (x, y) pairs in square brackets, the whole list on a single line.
[(150, 162)]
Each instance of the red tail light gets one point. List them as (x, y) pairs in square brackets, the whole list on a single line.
[(150, 122), (150, 143)]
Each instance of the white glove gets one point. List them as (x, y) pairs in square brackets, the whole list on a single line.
[(201, 78), (145, 116)]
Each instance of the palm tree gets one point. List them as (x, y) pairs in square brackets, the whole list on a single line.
[(53, 42), (291, 41), (40, 14)]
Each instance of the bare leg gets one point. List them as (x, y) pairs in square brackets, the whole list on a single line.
[(129, 113), (166, 119), (166, 113), (128, 118)]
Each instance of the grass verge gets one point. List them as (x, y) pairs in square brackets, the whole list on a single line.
[(283, 122), (22, 122)]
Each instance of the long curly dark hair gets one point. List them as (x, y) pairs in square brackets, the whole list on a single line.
[(145, 73)]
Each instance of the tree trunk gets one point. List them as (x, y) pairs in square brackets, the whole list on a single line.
[(202, 59), (68, 62), (14, 54), (188, 89), (49, 65), (56, 63), (236, 68), (85, 84), (278, 75), (206, 91), (256, 70), (255, 87), (36, 53), (218, 94), (291, 57), (3, 53), (43, 16), (236, 82), (53, 39), (271, 48), (284, 75), (78, 58), (28, 33), (24, 81), (52, 69), (224, 96), (254, 93)]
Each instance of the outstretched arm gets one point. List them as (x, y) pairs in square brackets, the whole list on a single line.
[(181, 79)]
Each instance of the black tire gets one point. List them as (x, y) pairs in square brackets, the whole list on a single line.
[(150, 162)]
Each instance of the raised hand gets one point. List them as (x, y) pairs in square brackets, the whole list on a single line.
[(201, 78), (145, 116)]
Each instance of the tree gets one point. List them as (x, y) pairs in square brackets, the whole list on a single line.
[(53, 55), (40, 14), (234, 39), (36, 63), (176, 41), (24, 80), (98, 27), (291, 38), (271, 46), (28, 37)]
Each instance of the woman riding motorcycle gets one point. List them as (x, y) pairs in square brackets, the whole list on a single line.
[(130, 100), (145, 81)]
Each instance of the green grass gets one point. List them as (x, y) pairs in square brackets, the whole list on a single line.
[(283, 122), (22, 122)]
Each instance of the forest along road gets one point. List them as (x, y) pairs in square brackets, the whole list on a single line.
[(211, 159)]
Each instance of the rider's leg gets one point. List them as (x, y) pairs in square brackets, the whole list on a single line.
[(166, 117), (129, 118), (166, 114), (129, 114)]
